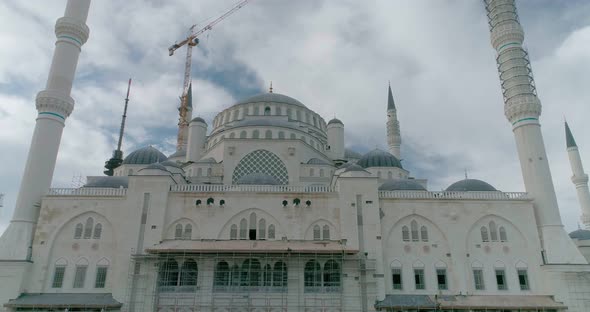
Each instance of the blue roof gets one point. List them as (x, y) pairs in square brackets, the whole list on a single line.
[(470, 185), (379, 158), (144, 156), (569, 138), (400, 184), (112, 181), (580, 234), (64, 300)]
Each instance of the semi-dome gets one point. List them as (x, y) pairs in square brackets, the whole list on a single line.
[(580, 234), (144, 156), (399, 184), (471, 185), (258, 179), (335, 121), (379, 158), (271, 97)]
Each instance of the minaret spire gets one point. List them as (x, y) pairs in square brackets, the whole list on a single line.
[(54, 105), (522, 109), (117, 159), (579, 177), (394, 139)]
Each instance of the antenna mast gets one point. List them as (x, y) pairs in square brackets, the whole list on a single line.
[(117, 158)]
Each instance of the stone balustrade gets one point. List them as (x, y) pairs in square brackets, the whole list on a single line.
[(455, 195), (87, 191), (218, 188)]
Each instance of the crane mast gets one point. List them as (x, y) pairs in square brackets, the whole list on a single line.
[(190, 41)]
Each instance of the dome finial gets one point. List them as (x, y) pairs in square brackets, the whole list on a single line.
[(270, 89)]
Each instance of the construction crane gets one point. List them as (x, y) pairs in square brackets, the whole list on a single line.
[(190, 42), (117, 159)]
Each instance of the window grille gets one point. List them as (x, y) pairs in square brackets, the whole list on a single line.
[(88, 228), (396, 276), (168, 273), (316, 232), (503, 236), (523, 279), (279, 274), (441, 279), (235, 275), (178, 231), (101, 277), (424, 233), (419, 278), (331, 274), (250, 273), (478, 279), (414, 228), (312, 275), (188, 231), (58, 276), (80, 276), (189, 273), (243, 229), (97, 231), (484, 234), (405, 234), (267, 276), (493, 232), (264, 162), (221, 275), (78, 231), (501, 279), (326, 232)]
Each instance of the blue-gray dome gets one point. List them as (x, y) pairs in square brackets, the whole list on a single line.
[(399, 184), (112, 182), (471, 185), (335, 121), (144, 156), (271, 97), (580, 234), (258, 179), (350, 154), (199, 119), (379, 158), (317, 161)]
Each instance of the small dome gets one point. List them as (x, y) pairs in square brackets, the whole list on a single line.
[(350, 154), (335, 121), (199, 119), (317, 161), (580, 234), (258, 179), (271, 97), (177, 154), (144, 156), (112, 182), (470, 185), (399, 184), (355, 167), (379, 158)]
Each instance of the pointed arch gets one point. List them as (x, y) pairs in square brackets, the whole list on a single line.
[(233, 233), (262, 228), (279, 274), (414, 231), (484, 234), (493, 231), (263, 162), (405, 234), (97, 231), (168, 273), (189, 273), (503, 236), (424, 233), (78, 231), (178, 231), (88, 227), (326, 232), (316, 232), (312, 274), (188, 232), (331, 274)]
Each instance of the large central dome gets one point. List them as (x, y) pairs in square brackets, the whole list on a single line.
[(271, 97)]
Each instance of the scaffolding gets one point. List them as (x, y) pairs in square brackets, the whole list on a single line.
[(310, 282)]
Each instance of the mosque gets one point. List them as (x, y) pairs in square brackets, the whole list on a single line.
[(265, 209)]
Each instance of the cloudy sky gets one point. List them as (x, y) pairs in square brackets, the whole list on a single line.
[(334, 56)]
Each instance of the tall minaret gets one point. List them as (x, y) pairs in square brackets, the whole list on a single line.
[(394, 138), (579, 178), (54, 105), (522, 109)]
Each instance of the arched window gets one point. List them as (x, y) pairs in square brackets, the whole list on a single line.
[(267, 276), (405, 234), (271, 231), (199, 172), (250, 274), (414, 228), (252, 228), (178, 231), (88, 228), (209, 172), (168, 273), (484, 234), (326, 232), (279, 274), (243, 134), (243, 229), (281, 135), (292, 136), (232, 135), (493, 232), (255, 134), (233, 232), (78, 231), (188, 231), (97, 231), (312, 274), (331, 274), (235, 275), (316, 232), (424, 233), (267, 111), (221, 274), (268, 134), (503, 236), (189, 273), (262, 229)]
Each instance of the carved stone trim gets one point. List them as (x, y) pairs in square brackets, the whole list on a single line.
[(51, 101), (521, 107), (67, 26)]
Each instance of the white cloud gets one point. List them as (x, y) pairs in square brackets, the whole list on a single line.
[(334, 56)]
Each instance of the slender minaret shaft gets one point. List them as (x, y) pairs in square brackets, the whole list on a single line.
[(579, 177), (54, 105), (522, 109), (394, 138)]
